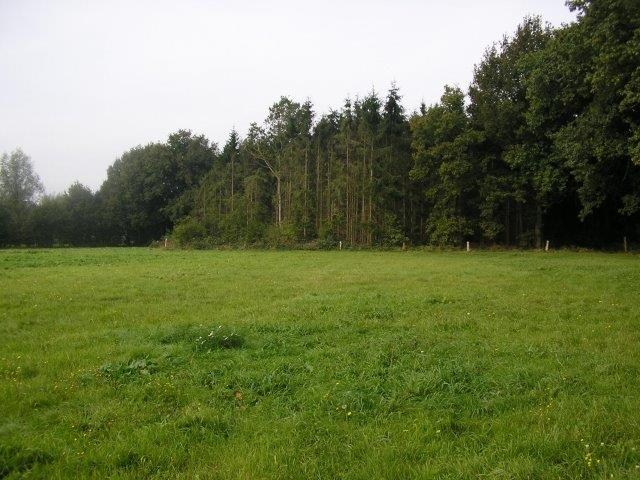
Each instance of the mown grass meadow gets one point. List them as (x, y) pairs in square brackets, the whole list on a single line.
[(139, 363)]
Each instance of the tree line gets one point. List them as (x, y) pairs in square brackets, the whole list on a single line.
[(544, 144)]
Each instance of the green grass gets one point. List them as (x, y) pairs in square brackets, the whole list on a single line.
[(137, 363)]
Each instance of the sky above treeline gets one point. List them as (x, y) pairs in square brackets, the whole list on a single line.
[(83, 81)]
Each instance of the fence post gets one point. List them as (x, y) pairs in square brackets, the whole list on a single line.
[(546, 246), (340, 245), (468, 247)]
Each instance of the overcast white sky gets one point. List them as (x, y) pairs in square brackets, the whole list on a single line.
[(83, 81)]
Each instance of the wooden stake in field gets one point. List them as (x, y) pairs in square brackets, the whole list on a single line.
[(468, 246), (340, 245), (546, 246)]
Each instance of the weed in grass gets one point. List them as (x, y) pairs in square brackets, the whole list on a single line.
[(219, 338), (126, 371), (203, 339)]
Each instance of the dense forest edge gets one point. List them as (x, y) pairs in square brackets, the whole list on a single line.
[(543, 145)]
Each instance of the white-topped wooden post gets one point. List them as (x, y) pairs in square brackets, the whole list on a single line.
[(546, 246), (468, 246)]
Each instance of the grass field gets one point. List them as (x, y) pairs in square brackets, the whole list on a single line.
[(138, 363)]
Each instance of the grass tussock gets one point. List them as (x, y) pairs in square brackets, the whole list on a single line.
[(16, 461)]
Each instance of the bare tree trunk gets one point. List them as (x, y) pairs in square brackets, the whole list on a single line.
[(329, 186), (279, 195), (404, 205), (318, 192), (537, 231), (508, 223), (306, 188), (232, 173), (412, 215), (287, 210), (204, 203), (363, 215), (519, 222), (348, 229), (370, 194)]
